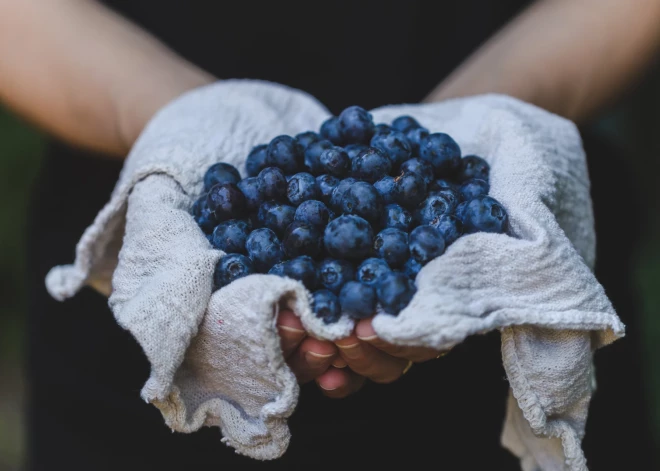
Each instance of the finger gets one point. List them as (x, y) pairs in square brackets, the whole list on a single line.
[(312, 358), (291, 331), (365, 332), (339, 383), (339, 362), (370, 362)]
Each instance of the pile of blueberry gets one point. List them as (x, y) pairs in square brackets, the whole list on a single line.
[(353, 212)]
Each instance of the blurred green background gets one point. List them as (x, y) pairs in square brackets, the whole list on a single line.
[(631, 124)]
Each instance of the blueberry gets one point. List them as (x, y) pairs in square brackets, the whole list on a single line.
[(326, 306), (354, 149), (335, 161), (394, 291), (432, 208), (356, 125), (325, 184), (472, 166), (206, 220), (302, 238), (420, 167), (411, 268), (333, 274), (313, 212), (272, 183), (302, 269), (256, 160), (286, 153), (460, 210), (395, 145), (358, 300), (452, 196), (426, 243), (220, 173), (277, 269), (348, 237), (415, 136), (363, 200), (409, 189), (385, 187), (230, 236), (450, 227), (392, 246), (485, 214), (226, 201), (338, 193), (301, 187), (199, 205), (231, 267), (397, 217), (264, 249), (313, 156), (442, 184), (371, 269), (370, 165), (330, 130), (405, 123), (306, 138), (473, 188), (442, 152), (276, 216), (252, 191), (382, 127)]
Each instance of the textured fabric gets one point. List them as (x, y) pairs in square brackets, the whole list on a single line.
[(535, 285)]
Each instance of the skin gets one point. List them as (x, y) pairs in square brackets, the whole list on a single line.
[(571, 57)]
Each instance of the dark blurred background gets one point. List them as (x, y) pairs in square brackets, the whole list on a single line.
[(627, 129)]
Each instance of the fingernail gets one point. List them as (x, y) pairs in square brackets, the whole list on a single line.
[(339, 363), (317, 359), (293, 330), (369, 338), (327, 389), (351, 351)]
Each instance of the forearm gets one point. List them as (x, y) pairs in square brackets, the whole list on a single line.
[(84, 73), (568, 56)]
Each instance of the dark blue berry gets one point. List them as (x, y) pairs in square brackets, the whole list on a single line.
[(358, 300), (199, 205), (338, 193), (392, 246), (301, 187), (276, 216), (385, 187), (415, 136), (302, 238), (370, 165), (397, 217), (405, 123), (363, 200), (206, 220), (313, 156), (356, 125), (313, 212), (230, 236), (348, 237), (432, 208), (264, 249), (336, 161), (220, 173), (251, 189), (426, 243), (278, 269), (306, 138), (442, 152), (409, 189), (382, 127), (395, 145), (326, 306), (325, 184), (354, 149), (452, 196), (450, 227), (302, 269), (371, 269), (333, 274), (442, 184), (460, 210), (394, 291), (472, 166), (411, 268), (420, 167), (485, 214), (256, 160), (226, 201), (330, 130), (272, 183), (473, 188), (285, 152), (230, 268)]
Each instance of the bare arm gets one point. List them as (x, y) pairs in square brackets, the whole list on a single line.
[(84, 73), (568, 56)]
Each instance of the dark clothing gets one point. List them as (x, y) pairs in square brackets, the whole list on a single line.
[(85, 372)]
